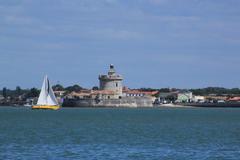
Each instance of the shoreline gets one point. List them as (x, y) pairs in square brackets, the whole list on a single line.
[(183, 105)]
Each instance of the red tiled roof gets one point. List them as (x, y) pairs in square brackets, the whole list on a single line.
[(234, 99), (140, 92), (80, 94), (108, 92)]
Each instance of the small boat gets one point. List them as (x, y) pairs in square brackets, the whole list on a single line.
[(46, 99), (168, 105), (27, 105)]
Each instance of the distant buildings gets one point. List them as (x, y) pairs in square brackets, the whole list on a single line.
[(180, 96), (138, 93)]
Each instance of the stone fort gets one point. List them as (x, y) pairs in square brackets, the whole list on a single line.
[(111, 82)]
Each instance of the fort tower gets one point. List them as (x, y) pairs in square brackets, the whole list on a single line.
[(112, 81)]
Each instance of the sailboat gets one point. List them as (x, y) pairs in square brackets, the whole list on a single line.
[(46, 99)]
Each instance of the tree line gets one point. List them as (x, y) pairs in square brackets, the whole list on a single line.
[(34, 92), (216, 90), (200, 91)]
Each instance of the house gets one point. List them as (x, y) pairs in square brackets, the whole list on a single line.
[(1, 97), (198, 99), (59, 93), (184, 96)]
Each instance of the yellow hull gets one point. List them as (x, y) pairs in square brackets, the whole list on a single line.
[(46, 107)]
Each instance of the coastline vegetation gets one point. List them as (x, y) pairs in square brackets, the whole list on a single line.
[(215, 90), (34, 92), (218, 91), (21, 96)]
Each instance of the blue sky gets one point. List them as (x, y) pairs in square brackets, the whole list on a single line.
[(153, 43)]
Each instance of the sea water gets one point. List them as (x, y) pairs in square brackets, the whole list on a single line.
[(120, 133)]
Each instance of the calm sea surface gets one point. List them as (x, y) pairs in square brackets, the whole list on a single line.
[(102, 134)]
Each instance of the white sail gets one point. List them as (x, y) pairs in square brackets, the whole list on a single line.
[(47, 96)]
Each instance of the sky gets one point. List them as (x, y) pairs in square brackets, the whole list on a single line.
[(152, 43)]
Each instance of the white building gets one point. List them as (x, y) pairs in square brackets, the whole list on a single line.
[(198, 98)]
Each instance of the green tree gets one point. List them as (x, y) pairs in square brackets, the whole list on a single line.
[(4, 92), (34, 92), (18, 91), (58, 87), (216, 90), (147, 89), (75, 88), (165, 90), (95, 88)]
